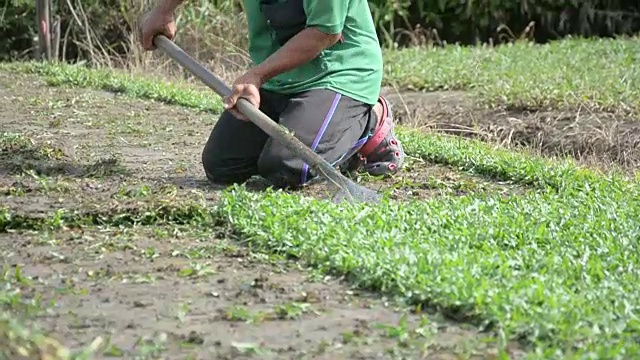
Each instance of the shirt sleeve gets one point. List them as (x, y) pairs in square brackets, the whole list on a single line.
[(327, 16)]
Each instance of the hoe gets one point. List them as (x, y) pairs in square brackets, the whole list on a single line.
[(341, 187)]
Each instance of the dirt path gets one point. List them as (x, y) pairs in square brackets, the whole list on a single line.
[(147, 291), (103, 199)]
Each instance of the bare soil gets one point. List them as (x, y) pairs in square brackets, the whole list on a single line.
[(176, 293), (589, 136), (171, 290)]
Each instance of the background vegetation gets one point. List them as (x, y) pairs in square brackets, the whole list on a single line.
[(214, 27)]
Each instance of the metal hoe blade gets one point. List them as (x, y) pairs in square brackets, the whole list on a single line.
[(343, 188)]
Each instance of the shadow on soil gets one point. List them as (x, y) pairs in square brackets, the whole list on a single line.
[(318, 190), (20, 157), (202, 183)]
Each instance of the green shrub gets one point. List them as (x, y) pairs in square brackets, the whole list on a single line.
[(17, 26), (396, 20), (471, 21)]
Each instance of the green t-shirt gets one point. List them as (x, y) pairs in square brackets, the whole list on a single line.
[(352, 67)]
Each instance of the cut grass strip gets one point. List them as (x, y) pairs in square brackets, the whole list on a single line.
[(602, 74), (506, 165), (559, 271), (153, 213), (63, 74)]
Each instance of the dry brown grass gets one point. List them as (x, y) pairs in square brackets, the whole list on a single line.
[(216, 37)]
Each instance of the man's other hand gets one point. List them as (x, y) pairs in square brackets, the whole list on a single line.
[(156, 22), (246, 86)]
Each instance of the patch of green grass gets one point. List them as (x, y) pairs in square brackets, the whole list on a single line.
[(602, 74), (503, 164), (63, 74), (557, 270)]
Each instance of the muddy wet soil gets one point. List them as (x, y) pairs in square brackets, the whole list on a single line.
[(177, 292)]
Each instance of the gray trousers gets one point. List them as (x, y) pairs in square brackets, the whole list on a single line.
[(335, 126)]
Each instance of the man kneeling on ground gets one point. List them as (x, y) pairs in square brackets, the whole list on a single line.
[(317, 70)]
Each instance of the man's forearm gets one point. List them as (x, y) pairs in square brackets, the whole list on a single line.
[(300, 49)]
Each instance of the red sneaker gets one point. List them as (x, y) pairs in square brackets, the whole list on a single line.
[(382, 154)]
